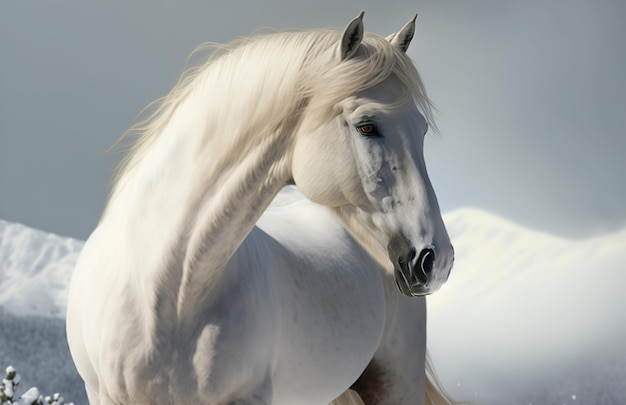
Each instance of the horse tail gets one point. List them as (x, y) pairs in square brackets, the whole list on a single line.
[(435, 393)]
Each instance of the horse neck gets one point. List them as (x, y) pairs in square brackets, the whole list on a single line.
[(191, 201)]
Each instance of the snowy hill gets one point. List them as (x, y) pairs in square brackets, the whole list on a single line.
[(35, 269), (526, 317), (526, 312)]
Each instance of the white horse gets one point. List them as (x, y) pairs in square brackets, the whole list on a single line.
[(178, 298)]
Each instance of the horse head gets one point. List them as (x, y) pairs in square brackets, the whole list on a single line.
[(366, 160)]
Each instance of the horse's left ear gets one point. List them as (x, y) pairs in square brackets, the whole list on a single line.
[(352, 37), (402, 39)]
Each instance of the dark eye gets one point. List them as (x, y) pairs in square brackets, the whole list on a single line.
[(368, 130)]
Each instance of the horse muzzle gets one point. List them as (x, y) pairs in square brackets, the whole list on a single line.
[(413, 269)]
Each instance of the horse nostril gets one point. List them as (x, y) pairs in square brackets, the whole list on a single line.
[(405, 262), (426, 261)]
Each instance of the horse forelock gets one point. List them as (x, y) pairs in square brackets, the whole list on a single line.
[(261, 84)]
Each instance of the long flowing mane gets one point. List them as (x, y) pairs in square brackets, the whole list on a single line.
[(277, 77)]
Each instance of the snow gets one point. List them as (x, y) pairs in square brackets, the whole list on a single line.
[(30, 396), (526, 317), (526, 312), (35, 269)]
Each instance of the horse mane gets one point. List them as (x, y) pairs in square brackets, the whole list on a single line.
[(271, 78)]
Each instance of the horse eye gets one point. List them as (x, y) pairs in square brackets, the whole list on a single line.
[(368, 130)]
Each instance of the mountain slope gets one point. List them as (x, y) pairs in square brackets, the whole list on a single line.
[(35, 269), (530, 312), (526, 280)]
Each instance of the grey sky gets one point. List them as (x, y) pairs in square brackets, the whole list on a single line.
[(531, 98)]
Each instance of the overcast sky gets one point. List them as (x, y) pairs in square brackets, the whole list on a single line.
[(531, 98)]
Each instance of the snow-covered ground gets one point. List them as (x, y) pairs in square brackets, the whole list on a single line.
[(526, 318)]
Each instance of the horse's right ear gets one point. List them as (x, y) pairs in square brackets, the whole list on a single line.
[(351, 38), (403, 38)]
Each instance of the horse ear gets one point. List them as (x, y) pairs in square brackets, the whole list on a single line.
[(402, 39), (352, 37)]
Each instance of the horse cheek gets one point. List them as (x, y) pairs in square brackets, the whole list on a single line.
[(323, 173)]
